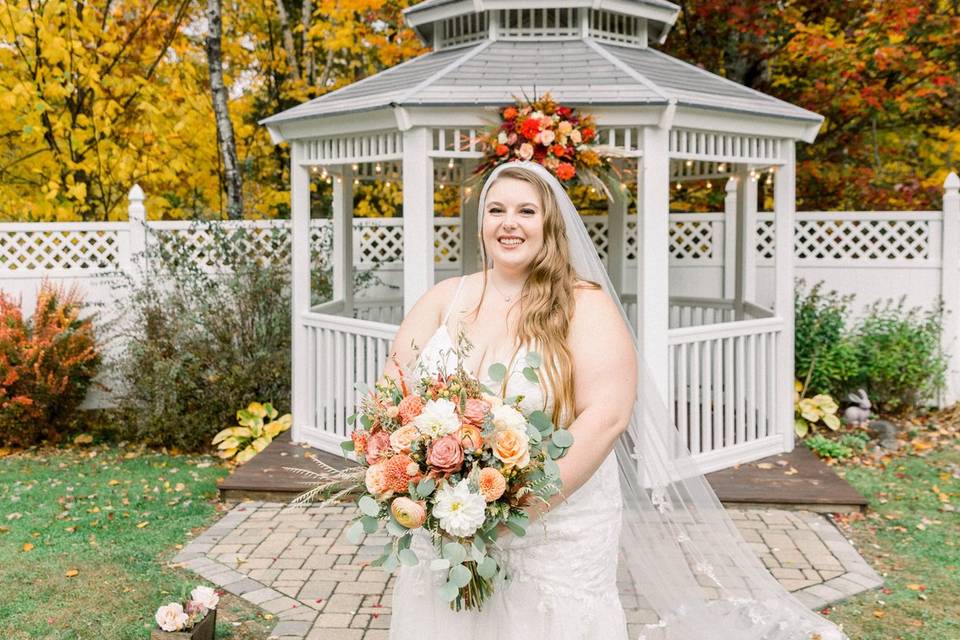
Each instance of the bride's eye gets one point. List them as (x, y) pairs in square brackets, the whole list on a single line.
[(528, 211), (495, 210)]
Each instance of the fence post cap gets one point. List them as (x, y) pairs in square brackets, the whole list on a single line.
[(952, 181), (136, 193)]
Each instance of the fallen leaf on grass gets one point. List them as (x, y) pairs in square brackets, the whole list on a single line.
[(141, 525), (71, 573), (879, 613), (113, 483), (83, 438), (27, 546), (764, 465), (16, 515), (917, 587)]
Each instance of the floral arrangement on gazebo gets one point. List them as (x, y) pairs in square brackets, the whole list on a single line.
[(557, 136)]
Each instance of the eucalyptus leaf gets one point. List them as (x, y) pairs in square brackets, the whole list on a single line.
[(351, 419), (460, 575), (355, 532), (404, 542), (487, 568), (454, 552), (497, 372), (541, 421), (562, 438), (516, 529), (533, 435), (370, 524), (391, 563), (369, 506), (555, 452), (408, 558), (551, 468), (365, 421), (534, 359), (449, 592), (479, 544), (396, 529), (347, 446), (426, 487), (439, 564), (531, 374)]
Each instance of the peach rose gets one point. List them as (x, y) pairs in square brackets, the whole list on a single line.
[(393, 412), (565, 127), (445, 454), (376, 480), (576, 137), (402, 438), (377, 446), (512, 448), (547, 136), (492, 484), (526, 151), (409, 408), (360, 441), (474, 411), (408, 513), (471, 438)]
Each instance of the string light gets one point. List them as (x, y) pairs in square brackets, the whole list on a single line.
[(722, 167), (313, 169), (356, 167), (441, 187), (388, 183), (689, 163), (679, 186), (378, 168), (450, 164), (467, 190), (339, 180), (709, 185), (355, 181)]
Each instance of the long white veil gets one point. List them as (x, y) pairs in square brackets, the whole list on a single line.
[(684, 557)]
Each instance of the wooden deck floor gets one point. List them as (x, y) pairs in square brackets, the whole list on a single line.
[(771, 481)]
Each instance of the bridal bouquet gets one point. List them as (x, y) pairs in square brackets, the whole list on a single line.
[(446, 455)]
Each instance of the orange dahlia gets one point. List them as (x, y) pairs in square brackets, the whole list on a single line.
[(492, 484), (398, 471), (409, 408)]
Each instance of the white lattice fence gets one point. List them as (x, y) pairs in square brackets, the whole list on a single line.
[(61, 247)]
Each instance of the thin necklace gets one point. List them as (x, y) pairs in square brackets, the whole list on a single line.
[(505, 297)]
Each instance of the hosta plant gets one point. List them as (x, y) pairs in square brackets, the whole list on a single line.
[(259, 425), (810, 412)]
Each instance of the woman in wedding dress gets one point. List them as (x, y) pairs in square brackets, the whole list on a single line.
[(630, 495), (562, 574)]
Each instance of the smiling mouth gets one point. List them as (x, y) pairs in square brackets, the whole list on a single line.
[(510, 241)]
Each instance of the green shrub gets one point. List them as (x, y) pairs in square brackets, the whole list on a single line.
[(827, 448), (195, 343), (824, 359), (898, 354), (47, 365)]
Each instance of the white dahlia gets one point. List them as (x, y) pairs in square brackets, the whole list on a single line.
[(459, 510), (438, 418), (506, 417)]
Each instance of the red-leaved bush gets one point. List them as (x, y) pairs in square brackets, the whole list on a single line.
[(46, 365)]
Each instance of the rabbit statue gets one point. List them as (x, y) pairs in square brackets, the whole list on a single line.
[(858, 414)]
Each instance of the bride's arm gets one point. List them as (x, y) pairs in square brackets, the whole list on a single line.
[(605, 382)]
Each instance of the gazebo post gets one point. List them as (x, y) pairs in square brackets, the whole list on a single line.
[(745, 284), (653, 208), (784, 207), (418, 250), (343, 238), (469, 236), (617, 233), (730, 240), (300, 286)]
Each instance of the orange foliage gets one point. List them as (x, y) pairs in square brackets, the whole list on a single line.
[(46, 365)]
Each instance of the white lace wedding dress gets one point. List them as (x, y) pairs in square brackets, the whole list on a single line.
[(561, 577)]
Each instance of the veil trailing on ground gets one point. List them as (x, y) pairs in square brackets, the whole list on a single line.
[(680, 553)]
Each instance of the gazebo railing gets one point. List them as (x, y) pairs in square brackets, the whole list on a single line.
[(722, 392)]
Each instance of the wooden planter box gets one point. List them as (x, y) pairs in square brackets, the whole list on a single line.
[(206, 629)]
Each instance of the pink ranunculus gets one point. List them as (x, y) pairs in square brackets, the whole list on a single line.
[(377, 445), (526, 151), (475, 411), (445, 454), (408, 513)]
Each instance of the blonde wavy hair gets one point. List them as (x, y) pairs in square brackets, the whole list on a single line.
[(547, 299)]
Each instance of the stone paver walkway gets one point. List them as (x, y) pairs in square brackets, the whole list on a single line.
[(296, 564)]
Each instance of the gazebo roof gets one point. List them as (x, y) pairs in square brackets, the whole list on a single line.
[(576, 72)]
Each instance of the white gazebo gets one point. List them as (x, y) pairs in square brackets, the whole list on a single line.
[(723, 360)]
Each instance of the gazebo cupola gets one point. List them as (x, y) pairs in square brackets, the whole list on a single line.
[(450, 23), (722, 356)]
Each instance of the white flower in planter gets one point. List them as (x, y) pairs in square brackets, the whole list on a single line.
[(171, 617), (205, 597)]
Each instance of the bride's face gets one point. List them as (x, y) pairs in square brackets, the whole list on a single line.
[(512, 223)]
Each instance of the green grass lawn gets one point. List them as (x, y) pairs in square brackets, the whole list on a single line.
[(115, 517), (911, 536)]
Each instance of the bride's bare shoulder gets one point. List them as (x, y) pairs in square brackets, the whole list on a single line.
[(594, 310)]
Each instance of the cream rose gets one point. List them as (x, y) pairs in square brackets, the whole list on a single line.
[(171, 617), (506, 417), (205, 597), (402, 438)]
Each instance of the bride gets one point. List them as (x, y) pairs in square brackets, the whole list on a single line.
[(635, 522)]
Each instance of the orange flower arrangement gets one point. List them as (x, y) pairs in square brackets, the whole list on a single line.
[(556, 136)]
